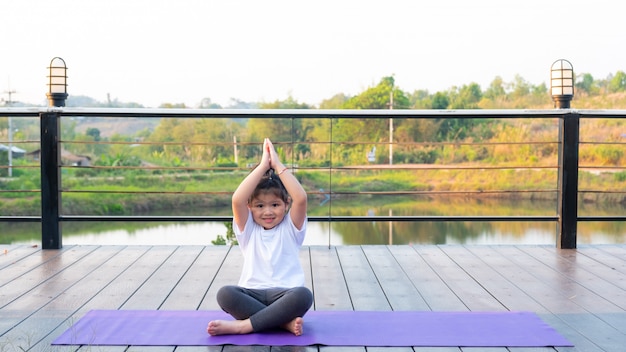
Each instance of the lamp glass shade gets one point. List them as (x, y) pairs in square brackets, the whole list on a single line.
[(57, 79), (562, 78)]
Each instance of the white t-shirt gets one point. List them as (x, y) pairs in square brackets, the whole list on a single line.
[(271, 257)]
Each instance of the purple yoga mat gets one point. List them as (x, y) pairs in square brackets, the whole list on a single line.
[(331, 328)]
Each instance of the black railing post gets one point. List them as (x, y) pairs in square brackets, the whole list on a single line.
[(50, 156), (568, 181)]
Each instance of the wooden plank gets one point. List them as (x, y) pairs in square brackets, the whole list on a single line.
[(530, 279), (199, 348), (592, 274), (75, 300), (605, 299), (601, 263), (192, 287), (363, 286), (18, 262), (46, 306), (34, 289), (513, 264), (473, 296), (117, 292), (473, 268), (67, 283), (434, 291), (330, 291), (305, 261), (160, 284), (228, 274), (11, 254), (619, 254), (153, 293), (494, 273), (38, 270), (399, 290), (552, 289), (500, 277), (329, 286), (568, 278)]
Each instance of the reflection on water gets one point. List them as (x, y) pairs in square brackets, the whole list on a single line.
[(338, 233), (352, 233)]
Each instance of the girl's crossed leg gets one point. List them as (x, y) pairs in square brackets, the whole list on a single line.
[(259, 310)]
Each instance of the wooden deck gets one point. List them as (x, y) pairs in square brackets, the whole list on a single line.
[(581, 293)]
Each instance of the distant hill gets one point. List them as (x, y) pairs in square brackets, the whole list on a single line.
[(111, 126)]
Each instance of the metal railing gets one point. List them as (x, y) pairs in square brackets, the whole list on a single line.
[(566, 217)]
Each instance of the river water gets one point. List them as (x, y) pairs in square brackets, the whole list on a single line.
[(353, 233)]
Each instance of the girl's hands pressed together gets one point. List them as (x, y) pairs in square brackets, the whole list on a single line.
[(273, 155), (266, 157)]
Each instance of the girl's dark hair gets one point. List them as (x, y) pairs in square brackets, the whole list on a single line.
[(270, 183)]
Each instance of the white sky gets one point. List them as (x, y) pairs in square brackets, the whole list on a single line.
[(158, 51)]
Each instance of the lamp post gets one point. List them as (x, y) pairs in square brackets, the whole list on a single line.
[(57, 82), (50, 157), (562, 91), (562, 83)]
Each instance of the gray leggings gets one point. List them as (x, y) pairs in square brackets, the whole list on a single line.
[(268, 308)]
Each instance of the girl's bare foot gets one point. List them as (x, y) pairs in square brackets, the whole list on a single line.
[(229, 327), (295, 326)]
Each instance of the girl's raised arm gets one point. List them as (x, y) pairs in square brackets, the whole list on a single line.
[(293, 186), (246, 188)]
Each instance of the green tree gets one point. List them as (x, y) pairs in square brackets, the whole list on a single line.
[(379, 97), (173, 106), (335, 102), (618, 82), (206, 103), (194, 141), (420, 99), (440, 101), (585, 83), (285, 131), (496, 89), (289, 103), (519, 88), (94, 133), (467, 97)]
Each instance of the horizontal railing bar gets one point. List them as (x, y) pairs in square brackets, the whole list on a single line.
[(304, 113), (314, 218), (26, 218), (347, 193), (334, 168), (332, 218), (300, 113), (602, 218), (400, 144)]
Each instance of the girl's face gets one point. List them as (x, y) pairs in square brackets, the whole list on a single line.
[(268, 210)]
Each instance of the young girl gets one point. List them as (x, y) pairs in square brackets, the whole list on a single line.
[(269, 211)]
